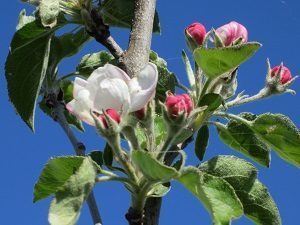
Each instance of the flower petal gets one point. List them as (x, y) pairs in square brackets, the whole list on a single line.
[(81, 107), (112, 94), (142, 87), (79, 84)]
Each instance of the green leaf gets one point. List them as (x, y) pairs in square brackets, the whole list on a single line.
[(108, 156), (65, 46), (189, 70), (49, 11), (201, 142), (26, 67), (166, 79), (65, 207), (97, 157), (217, 61), (120, 13), (281, 134), (55, 174), (152, 168), (160, 190), (90, 62), (241, 175), (241, 138), (215, 193), (212, 101)]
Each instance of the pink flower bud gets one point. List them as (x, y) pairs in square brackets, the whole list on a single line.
[(196, 31), (231, 32), (113, 114), (285, 73), (177, 104)]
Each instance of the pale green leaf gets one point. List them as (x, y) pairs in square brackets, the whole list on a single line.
[(49, 11), (217, 61), (241, 138), (281, 134), (241, 175), (65, 207), (215, 193), (152, 168), (24, 19)]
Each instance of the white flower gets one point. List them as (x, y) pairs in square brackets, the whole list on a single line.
[(109, 87)]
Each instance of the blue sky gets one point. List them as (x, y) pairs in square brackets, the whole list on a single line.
[(274, 23)]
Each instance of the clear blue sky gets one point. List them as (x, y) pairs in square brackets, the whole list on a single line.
[(274, 23)]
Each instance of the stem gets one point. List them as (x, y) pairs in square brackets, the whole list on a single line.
[(264, 93), (137, 55), (114, 142), (59, 116)]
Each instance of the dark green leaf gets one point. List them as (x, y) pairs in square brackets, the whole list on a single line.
[(26, 67), (217, 61), (257, 202), (241, 138), (90, 62), (152, 168), (281, 134), (212, 101), (65, 207), (108, 156), (120, 13), (201, 142), (97, 156), (215, 193)]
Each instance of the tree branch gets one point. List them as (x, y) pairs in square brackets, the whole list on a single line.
[(137, 55), (59, 116)]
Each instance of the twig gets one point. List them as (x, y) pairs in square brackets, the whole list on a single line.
[(59, 116), (137, 55)]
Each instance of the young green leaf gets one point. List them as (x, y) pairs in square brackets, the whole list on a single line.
[(65, 207), (152, 168), (201, 142), (257, 203), (241, 138), (49, 11), (92, 61), (215, 193), (217, 61), (279, 132), (55, 174), (119, 13), (212, 101), (189, 70)]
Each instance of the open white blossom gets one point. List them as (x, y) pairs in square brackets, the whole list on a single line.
[(110, 87)]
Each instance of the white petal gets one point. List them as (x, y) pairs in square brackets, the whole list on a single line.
[(107, 71), (80, 110), (112, 93), (142, 87), (79, 84)]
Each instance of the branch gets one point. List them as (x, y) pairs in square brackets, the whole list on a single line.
[(97, 29), (137, 55), (59, 116)]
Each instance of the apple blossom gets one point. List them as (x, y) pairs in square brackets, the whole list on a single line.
[(109, 87), (231, 32), (177, 104), (283, 72)]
